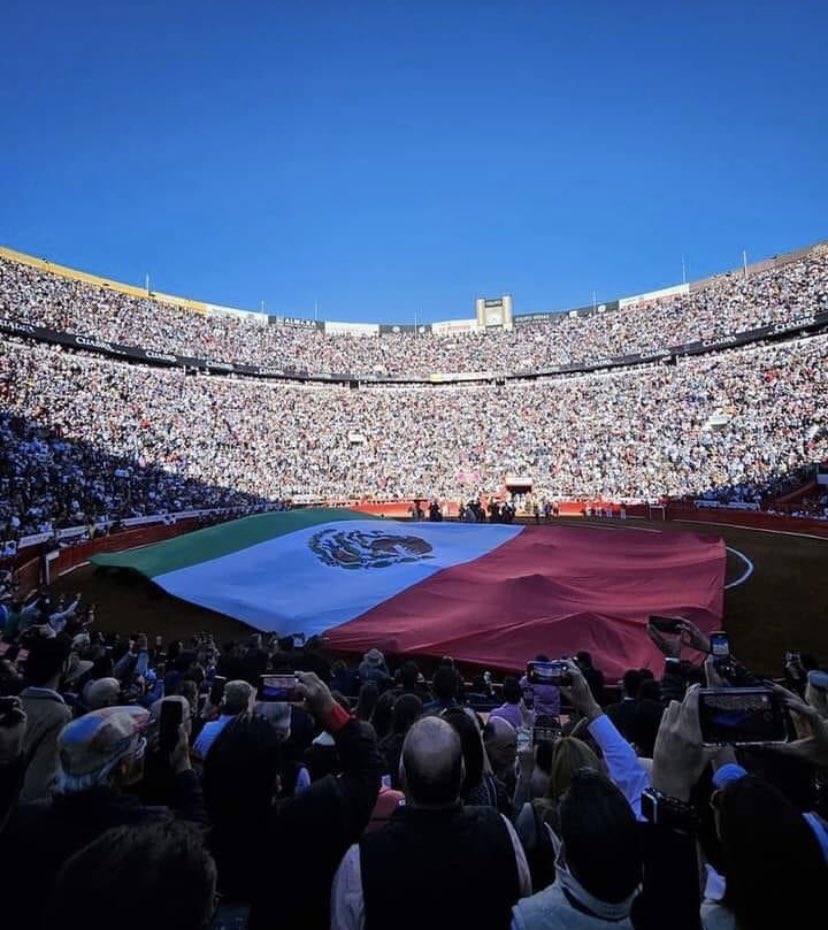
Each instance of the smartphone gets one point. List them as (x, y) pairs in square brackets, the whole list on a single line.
[(665, 624), (217, 690), (548, 673), (172, 715), (720, 645), (278, 688), (741, 717), (546, 729)]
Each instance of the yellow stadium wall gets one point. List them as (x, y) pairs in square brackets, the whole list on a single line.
[(96, 281)]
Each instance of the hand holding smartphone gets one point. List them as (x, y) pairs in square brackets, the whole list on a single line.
[(742, 717), (169, 722), (548, 673), (279, 688)]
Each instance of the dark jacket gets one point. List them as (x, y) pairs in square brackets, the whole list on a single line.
[(39, 837), (427, 868), (623, 715), (298, 853), (670, 892)]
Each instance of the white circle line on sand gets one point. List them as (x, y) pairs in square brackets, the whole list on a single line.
[(745, 574), (754, 529)]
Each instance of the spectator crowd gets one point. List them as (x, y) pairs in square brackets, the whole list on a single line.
[(84, 437), (728, 304), (161, 782)]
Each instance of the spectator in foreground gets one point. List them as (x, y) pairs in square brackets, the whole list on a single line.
[(238, 698), (101, 755), (598, 862), (46, 715), (304, 837), (128, 873), (435, 859)]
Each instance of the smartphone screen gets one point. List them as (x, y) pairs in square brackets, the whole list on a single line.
[(172, 714), (741, 716), (278, 688), (720, 645), (546, 730), (547, 673)]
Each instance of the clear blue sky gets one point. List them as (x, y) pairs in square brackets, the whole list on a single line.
[(387, 158)]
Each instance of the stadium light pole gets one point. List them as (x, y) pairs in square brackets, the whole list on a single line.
[(315, 310), (148, 284), (683, 271), (744, 261)]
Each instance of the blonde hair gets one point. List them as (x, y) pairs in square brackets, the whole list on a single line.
[(569, 754)]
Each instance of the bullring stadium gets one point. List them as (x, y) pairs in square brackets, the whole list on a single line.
[(699, 407), (413, 466)]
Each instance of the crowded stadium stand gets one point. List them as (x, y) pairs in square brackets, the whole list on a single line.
[(712, 392)]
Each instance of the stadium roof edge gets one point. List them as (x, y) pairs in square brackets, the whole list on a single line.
[(203, 307)]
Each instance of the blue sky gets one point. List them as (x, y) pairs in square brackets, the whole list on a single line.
[(390, 158)]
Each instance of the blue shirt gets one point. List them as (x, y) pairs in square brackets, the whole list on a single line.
[(210, 733)]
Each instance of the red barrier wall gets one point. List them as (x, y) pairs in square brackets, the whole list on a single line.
[(140, 536), (756, 519)]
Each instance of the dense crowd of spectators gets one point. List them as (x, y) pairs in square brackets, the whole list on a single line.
[(729, 304), (150, 781), (87, 437)]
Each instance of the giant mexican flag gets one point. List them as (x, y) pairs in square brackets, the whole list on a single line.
[(490, 594)]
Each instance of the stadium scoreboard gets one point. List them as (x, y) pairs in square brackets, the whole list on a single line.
[(494, 312)]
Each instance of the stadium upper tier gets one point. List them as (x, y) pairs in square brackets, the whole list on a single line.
[(782, 293), (82, 435)]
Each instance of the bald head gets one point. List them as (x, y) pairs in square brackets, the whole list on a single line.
[(500, 739), (105, 692), (431, 764)]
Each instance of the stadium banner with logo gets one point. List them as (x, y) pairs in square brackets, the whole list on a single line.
[(804, 324), (490, 594)]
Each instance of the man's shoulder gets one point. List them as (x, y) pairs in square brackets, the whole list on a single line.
[(539, 909)]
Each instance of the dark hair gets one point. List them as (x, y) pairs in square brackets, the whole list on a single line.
[(407, 708), (367, 701), (46, 659), (543, 757), (240, 773), (445, 683), (541, 657), (632, 682), (471, 744), (512, 692), (650, 690), (772, 861), (409, 675), (584, 658), (381, 714), (645, 675), (600, 836), (163, 868)]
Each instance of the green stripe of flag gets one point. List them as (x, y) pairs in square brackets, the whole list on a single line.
[(214, 542)]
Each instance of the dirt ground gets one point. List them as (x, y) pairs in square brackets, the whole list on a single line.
[(782, 605)]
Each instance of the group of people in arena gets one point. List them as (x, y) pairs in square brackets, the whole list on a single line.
[(150, 781), (83, 437), (729, 304)]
